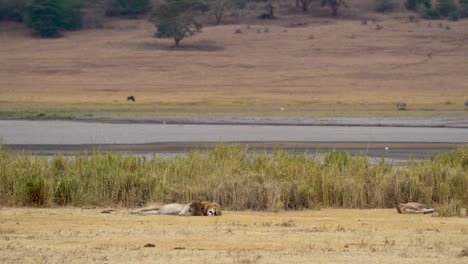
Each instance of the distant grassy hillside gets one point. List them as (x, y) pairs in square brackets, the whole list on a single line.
[(309, 65)]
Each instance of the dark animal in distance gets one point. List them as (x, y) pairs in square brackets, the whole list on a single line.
[(131, 98), (466, 103), (401, 105)]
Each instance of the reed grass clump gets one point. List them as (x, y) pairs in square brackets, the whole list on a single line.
[(450, 208), (232, 176)]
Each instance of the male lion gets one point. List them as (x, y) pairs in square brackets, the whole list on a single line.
[(190, 209), (414, 208)]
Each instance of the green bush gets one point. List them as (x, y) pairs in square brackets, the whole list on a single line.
[(130, 8), (429, 13), (415, 4), (50, 17), (446, 7), (45, 16), (463, 8), (12, 10), (72, 12), (385, 6), (455, 15)]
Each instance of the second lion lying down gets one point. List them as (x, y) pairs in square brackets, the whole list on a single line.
[(414, 208), (190, 209)]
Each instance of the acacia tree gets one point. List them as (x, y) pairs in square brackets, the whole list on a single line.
[(218, 8), (334, 5), (177, 18)]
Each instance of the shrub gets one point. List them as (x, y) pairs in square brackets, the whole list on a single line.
[(241, 4), (384, 6), (463, 8), (429, 13), (446, 7), (45, 16), (72, 14), (415, 4), (455, 15), (412, 19), (269, 12), (334, 5), (130, 8), (449, 208), (49, 17), (12, 10)]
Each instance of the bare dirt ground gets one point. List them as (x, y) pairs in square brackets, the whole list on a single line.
[(330, 235), (326, 68)]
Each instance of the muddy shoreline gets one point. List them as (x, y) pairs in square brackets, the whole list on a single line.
[(455, 121)]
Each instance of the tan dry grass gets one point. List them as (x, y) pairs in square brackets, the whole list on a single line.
[(346, 69), (330, 235)]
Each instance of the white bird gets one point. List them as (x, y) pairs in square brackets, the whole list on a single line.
[(386, 148), (281, 108)]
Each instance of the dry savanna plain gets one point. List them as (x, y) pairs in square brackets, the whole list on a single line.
[(320, 67), (73, 235)]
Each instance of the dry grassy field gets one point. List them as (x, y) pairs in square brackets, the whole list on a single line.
[(329, 235), (328, 67)]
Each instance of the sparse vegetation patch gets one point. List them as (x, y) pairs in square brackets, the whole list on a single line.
[(385, 6)]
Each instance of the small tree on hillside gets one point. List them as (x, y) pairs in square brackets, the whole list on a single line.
[(334, 5), (177, 18), (218, 7)]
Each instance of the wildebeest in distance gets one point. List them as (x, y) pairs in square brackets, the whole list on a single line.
[(400, 105)]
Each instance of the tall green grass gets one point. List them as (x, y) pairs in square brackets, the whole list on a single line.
[(232, 176)]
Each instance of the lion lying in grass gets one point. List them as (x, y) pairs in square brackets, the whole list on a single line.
[(414, 208), (190, 209)]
